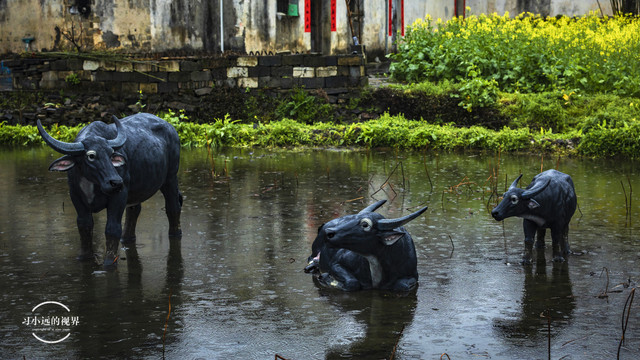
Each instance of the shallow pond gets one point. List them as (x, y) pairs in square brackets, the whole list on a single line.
[(234, 288)]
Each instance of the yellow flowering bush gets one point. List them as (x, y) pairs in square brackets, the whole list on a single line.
[(588, 54)]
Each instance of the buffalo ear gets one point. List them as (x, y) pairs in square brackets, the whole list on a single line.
[(62, 164), (391, 237), (533, 204)]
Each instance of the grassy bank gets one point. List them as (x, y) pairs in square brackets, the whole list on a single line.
[(386, 131), (595, 125)]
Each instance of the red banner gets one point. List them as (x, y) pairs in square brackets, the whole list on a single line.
[(402, 17), (333, 15), (390, 17), (307, 16)]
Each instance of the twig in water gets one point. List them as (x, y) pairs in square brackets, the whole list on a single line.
[(443, 355), (506, 179), (604, 294), (570, 341), (395, 347), (424, 161), (352, 200), (548, 316), (386, 182), (626, 201), (580, 211), (453, 247), (630, 194), (278, 357), (542, 163), (166, 323), (625, 322)]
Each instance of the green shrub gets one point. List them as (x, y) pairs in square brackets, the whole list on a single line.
[(477, 92), (303, 107), (606, 141), (526, 54)]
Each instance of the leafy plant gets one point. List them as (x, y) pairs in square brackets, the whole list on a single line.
[(139, 104), (476, 91), (72, 79), (303, 107)]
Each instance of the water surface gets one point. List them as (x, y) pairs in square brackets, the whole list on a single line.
[(233, 287)]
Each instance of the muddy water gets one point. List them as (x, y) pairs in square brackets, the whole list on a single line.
[(234, 288)]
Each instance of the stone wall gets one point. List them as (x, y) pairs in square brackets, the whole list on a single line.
[(198, 75)]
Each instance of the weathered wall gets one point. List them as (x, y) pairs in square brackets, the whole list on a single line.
[(542, 7), (197, 75), (28, 18), (249, 26)]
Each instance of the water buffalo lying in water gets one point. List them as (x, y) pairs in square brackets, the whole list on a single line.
[(365, 251), (548, 202), (116, 167)]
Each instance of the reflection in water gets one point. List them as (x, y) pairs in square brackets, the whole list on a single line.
[(384, 315), (544, 296), (117, 309)]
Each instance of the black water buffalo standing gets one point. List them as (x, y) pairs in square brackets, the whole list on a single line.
[(365, 251), (548, 202), (116, 167)]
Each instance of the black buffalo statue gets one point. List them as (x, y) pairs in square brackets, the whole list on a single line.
[(548, 202), (115, 167), (365, 251)]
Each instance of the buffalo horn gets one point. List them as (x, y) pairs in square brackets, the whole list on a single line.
[(373, 207), (121, 136), (515, 182), (390, 224), (62, 147), (536, 189)]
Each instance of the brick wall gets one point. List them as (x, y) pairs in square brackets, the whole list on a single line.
[(197, 75)]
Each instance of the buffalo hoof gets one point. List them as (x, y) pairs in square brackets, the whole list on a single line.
[(526, 261), (110, 261), (327, 281), (404, 285), (558, 259), (312, 267), (128, 240)]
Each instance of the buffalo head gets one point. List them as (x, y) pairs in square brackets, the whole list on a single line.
[(517, 201), (95, 157), (367, 231)]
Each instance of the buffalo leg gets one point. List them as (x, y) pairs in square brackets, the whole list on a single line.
[(130, 221), (113, 233), (85, 228), (557, 239), (84, 222), (540, 237), (564, 246), (529, 233), (341, 278), (173, 205)]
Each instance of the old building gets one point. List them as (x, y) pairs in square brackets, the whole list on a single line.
[(244, 26)]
